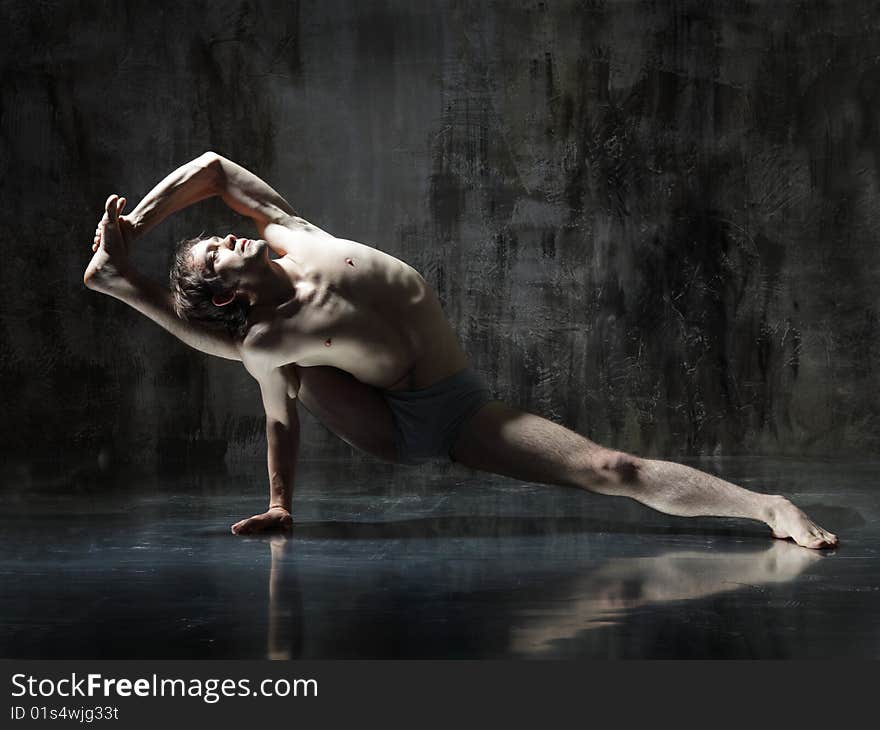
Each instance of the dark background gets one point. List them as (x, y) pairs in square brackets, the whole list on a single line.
[(654, 222)]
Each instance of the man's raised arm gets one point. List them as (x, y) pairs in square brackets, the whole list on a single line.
[(207, 176), (110, 272)]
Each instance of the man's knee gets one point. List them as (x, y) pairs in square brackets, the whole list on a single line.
[(621, 467), (612, 470)]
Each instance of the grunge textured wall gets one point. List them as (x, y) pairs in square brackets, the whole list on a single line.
[(653, 221)]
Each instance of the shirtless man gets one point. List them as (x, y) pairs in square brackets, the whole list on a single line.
[(360, 339)]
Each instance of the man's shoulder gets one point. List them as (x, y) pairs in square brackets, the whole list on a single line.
[(263, 335), (287, 232), (270, 373), (269, 331), (260, 351), (259, 335)]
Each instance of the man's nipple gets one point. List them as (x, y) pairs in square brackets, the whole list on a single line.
[(350, 262)]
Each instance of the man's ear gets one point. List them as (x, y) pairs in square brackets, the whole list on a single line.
[(223, 298)]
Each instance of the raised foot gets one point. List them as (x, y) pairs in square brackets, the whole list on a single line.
[(787, 521), (111, 243), (101, 275)]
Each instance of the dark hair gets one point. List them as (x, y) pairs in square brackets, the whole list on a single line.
[(193, 290)]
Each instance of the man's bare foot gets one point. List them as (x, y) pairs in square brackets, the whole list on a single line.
[(786, 521), (276, 519), (101, 275), (111, 243)]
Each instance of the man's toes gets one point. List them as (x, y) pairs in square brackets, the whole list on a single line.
[(807, 539), (819, 540)]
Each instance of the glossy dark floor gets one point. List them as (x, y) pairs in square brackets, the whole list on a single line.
[(430, 563)]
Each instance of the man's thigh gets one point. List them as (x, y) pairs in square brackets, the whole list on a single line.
[(505, 440), (355, 412)]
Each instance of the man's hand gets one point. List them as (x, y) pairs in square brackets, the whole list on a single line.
[(111, 246), (276, 519)]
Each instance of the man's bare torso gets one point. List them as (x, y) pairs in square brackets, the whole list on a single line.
[(357, 309)]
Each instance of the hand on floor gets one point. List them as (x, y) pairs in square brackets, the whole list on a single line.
[(276, 519)]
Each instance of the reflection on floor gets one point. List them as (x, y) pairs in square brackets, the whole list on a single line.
[(430, 563)]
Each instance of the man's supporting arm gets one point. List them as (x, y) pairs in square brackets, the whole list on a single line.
[(282, 447), (278, 387)]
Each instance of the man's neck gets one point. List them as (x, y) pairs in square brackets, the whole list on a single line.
[(278, 286)]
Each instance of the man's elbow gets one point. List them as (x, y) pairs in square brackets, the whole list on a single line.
[(208, 158), (214, 160), (212, 163)]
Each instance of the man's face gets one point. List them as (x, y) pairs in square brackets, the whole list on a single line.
[(234, 260)]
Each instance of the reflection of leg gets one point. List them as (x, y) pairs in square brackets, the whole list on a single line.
[(689, 574), (600, 596), (503, 440), (355, 412)]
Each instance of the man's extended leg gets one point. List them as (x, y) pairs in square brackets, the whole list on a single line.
[(503, 440)]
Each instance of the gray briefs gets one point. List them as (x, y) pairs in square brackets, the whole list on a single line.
[(427, 421)]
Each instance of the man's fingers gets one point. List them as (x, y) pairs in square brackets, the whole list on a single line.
[(260, 523), (243, 527), (110, 208), (253, 525), (120, 206)]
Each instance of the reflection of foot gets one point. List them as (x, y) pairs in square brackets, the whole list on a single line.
[(786, 520), (784, 561)]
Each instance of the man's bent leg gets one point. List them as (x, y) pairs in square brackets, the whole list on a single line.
[(352, 410), (503, 440)]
